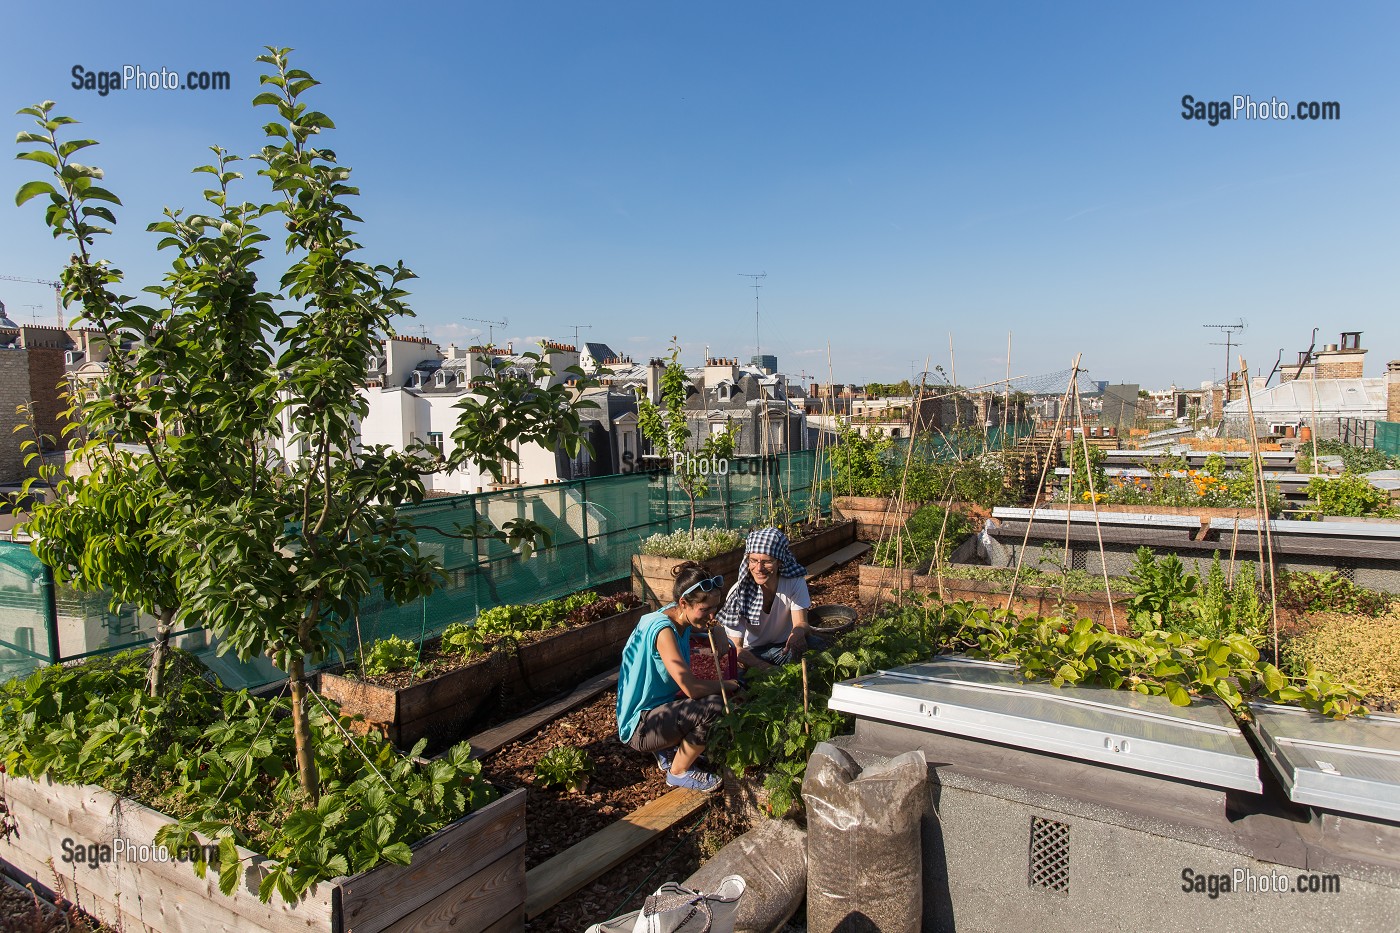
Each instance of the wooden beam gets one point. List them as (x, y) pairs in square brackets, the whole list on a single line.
[(549, 883), (848, 553), (486, 743)]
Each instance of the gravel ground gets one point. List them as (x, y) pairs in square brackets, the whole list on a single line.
[(22, 912)]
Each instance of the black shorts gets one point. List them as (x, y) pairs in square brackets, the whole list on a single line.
[(668, 724)]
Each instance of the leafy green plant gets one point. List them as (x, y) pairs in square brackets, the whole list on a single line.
[(1354, 459), (388, 654), (701, 545), (505, 624), (1170, 597), (668, 431), (564, 766), (1349, 494), (919, 540), (223, 765), (859, 464), (1303, 592)]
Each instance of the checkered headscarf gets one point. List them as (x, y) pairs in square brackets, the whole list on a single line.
[(746, 604)]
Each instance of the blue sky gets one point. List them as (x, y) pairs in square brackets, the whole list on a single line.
[(901, 171)]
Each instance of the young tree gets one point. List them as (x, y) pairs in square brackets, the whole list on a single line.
[(271, 552), (666, 428)]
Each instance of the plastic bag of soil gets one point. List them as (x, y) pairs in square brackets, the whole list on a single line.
[(865, 861), (772, 860)]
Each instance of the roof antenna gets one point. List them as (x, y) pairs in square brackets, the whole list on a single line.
[(757, 348)]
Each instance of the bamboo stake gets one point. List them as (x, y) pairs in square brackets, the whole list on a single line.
[(806, 707), (1261, 497), (1094, 499), (1044, 468), (719, 671)]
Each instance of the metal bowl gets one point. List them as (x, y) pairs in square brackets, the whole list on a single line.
[(831, 620)]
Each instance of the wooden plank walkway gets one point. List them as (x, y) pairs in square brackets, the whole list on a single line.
[(485, 743), (550, 882), (848, 553)]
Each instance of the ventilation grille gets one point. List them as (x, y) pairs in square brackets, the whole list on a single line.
[(1049, 855), (1078, 559), (1346, 569)]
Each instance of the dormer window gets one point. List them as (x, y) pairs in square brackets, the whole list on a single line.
[(441, 380), (418, 379), (461, 378), (372, 363)]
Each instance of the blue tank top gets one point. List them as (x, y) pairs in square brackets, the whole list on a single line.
[(643, 682)]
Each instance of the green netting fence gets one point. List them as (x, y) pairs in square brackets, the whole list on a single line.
[(1387, 437), (596, 525)]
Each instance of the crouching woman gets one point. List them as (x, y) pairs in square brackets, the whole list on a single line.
[(662, 707)]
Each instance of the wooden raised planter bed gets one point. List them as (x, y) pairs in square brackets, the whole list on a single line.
[(880, 583), (438, 709), (875, 516), (651, 576), (469, 875)]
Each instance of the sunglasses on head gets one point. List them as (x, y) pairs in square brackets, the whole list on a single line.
[(704, 586)]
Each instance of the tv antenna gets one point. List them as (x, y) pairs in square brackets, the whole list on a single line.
[(757, 348), (490, 326), (578, 327), (1230, 331)]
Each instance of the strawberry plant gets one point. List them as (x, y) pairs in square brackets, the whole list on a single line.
[(564, 766), (223, 765)]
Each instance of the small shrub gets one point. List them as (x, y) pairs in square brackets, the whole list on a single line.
[(699, 545), (1364, 652), (920, 538), (1329, 592), (1354, 459), (388, 654), (1349, 494), (564, 766)]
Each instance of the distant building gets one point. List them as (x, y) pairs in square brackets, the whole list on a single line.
[(37, 362), (1322, 388), (766, 363)]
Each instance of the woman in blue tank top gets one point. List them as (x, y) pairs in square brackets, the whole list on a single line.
[(662, 707)]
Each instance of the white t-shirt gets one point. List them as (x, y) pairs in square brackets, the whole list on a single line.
[(775, 625)]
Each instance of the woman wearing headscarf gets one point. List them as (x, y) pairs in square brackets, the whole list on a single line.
[(765, 613)]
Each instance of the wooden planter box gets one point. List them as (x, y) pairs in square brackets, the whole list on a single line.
[(469, 875), (875, 516), (651, 576), (880, 583), (440, 708)]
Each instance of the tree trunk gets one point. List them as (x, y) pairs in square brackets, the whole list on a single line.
[(301, 730), (155, 678)]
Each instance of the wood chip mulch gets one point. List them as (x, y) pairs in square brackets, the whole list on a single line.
[(22, 912)]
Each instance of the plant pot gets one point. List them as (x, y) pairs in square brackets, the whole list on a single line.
[(651, 575), (470, 874), (439, 709)]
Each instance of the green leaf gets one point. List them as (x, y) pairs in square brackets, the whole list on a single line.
[(229, 865), (1177, 694), (32, 189), (397, 852)]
